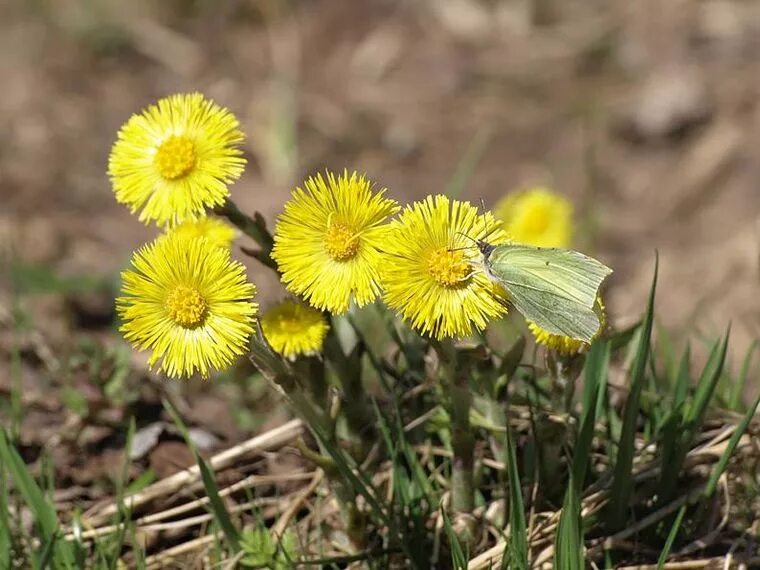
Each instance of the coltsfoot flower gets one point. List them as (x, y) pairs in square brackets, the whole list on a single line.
[(176, 158), (293, 328), (189, 303), (537, 216), (432, 272), (565, 345), (216, 231), (327, 241)]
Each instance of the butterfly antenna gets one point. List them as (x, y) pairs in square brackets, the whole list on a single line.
[(474, 243), (485, 218), (469, 238)]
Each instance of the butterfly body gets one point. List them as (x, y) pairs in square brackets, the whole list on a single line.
[(554, 288)]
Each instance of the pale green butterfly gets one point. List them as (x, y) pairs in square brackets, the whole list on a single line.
[(553, 287)]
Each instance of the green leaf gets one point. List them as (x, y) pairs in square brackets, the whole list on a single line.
[(622, 482), (262, 551)]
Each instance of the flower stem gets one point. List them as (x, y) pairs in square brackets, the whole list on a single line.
[(459, 400), (463, 443), (255, 228), (301, 400), (356, 407)]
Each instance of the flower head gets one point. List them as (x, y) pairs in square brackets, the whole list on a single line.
[(216, 231), (432, 273), (189, 303), (293, 328), (566, 345), (537, 216), (176, 158), (327, 241)]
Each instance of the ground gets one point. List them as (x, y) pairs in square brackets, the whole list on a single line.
[(646, 116)]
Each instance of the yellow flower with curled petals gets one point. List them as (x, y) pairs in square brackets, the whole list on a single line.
[(537, 216), (176, 158), (327, 241), (433, 274), (216, 231), (566, 345), (187, 302), (293, 328)]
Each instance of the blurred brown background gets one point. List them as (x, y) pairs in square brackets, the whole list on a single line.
[(644, 113)]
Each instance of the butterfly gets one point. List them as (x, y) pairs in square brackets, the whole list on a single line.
[(553, 287)]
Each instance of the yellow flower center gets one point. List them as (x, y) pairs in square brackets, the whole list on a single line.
[(448, 268), (537, 219), (341, 243), (289, 323), (186, 307), (175, 157)]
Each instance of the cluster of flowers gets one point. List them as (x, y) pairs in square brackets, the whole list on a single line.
[(337, 242)]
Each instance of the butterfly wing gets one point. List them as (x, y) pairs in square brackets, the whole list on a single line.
[(554, 288)]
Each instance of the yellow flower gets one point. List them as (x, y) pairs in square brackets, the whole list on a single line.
[(537, 216), (176, 158), (293, 328), (189, 303), (566, 345), (216, 231), (326, 242), (433, 274)]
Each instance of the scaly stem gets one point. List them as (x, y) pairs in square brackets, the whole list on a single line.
[(564, 371), (314, 415), (360, 419), (255, 228), (459, 400), (462, 442)]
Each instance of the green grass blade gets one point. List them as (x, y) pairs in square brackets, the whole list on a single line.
[(708, 380), (568, 545), (732, 443), (115, 545), (221, 515), (45, 519), (458, 556), (671, 538), (681, 428), (597, 364), (569, 540), (735, 399), (518, 533), (622, 483), (682, 378), (469, 161), (5, 527), (671, 430), (46, 553)]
